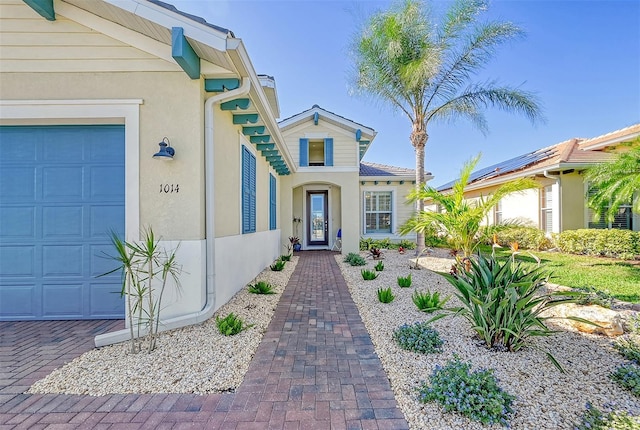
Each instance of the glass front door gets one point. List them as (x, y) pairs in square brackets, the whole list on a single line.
[(317, 220)]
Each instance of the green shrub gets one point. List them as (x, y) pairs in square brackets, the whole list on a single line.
[(231, 325), (261, 287), (385, 295), (404, 282), (526, 237), (277, 266), (593, 419), (475, 395), (354, 259), (386, 243), (629, 348), (427, 301), (379, 267), (628, 376), (418, 337), (368, 275), (285, 257), (502, 302), (615, 243)]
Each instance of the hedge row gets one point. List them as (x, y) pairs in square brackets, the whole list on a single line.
[(624, 244)]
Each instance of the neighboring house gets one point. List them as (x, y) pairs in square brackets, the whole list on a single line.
[(94, 95), (560, 201)]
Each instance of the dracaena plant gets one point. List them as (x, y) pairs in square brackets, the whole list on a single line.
[(503, 303)]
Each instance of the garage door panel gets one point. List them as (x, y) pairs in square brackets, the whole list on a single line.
[(66, 147), (62, 183), (15, 146), (103, 221), (62, 300), (107, 183), (18, 223), (18, 261), (62, 222), (18, 301), (61, 194), (101, 261), (105, 299), (62, 260), (17, 184)]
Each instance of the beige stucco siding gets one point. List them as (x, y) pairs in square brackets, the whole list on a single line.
[(344, 144), (523, 206), (29, 43), (228, 177), (171, 108)]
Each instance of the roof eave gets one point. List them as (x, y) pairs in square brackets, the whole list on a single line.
[(609, 142)]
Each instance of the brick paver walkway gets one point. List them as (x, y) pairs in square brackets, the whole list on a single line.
[(315, 369)]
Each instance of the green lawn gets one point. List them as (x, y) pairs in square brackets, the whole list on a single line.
[(619, 278)]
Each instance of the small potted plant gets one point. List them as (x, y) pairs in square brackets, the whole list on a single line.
[(295, 242)]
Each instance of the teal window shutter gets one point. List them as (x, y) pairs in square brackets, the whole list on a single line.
[(272, 202), (304, 152), (248, 191), (328, 151)]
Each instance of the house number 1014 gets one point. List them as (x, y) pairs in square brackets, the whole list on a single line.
[(169, 188)]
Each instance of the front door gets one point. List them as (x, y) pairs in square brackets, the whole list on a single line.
[(317, 219)]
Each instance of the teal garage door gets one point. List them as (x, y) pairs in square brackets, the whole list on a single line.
[(61, 193)]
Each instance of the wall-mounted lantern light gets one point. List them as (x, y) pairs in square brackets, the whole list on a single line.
[(166, 151)]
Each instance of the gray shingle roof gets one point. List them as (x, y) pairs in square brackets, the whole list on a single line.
[(374, 169), (195, 18)]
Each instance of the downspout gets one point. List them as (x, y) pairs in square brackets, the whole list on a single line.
[(210, 298), (557, 178)]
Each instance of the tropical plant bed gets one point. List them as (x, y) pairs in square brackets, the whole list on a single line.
[(619, 278), (196, 359), (543, 397)]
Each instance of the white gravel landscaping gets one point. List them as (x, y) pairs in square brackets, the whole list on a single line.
[(195, 359), (546, 398)]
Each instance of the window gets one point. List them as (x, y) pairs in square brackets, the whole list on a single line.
[(546, 204), (272, 202), (248, 191), (316, 152), (622, 220), (497, 213), (377, 211)]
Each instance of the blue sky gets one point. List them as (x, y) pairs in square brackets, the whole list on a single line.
[(581, 58)]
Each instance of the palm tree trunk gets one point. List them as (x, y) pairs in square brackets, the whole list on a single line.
[(419, 140)]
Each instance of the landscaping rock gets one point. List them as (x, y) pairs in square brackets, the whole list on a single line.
[(610, 321)]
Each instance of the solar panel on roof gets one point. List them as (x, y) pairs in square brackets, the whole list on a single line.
[(507, 166)]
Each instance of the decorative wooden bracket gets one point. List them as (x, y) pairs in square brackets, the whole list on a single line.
[(184, 54)]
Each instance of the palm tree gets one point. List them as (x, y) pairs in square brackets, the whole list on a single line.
[(425, 70), (615, 183), (460, 219)]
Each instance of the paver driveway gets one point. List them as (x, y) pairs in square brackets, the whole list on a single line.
[(315, 369)]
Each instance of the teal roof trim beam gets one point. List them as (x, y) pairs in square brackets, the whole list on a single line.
[(219, 85), (260, 139), (248, 131), (246, 118), (265, 146), (236, 104), (43, 7), (184, 54)]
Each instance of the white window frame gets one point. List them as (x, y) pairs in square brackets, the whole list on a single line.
[(394, 211), (546, 213)]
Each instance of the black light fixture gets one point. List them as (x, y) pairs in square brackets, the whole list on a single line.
[(166, 151)]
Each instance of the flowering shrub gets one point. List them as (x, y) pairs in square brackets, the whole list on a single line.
[(419, 337), (628, 376), (475, 395)]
